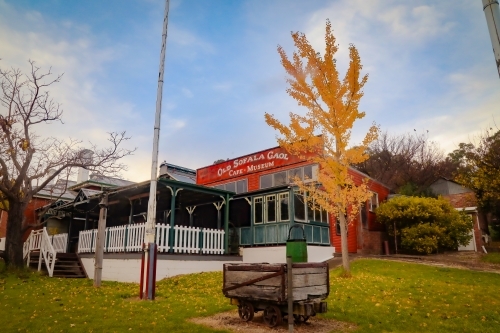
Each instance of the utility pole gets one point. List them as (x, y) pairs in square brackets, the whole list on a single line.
[(148, 269), (492, 13)]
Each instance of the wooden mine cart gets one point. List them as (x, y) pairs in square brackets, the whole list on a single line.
[(263, 287)]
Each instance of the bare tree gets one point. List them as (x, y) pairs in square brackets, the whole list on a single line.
[(406, 160), (29, 162)]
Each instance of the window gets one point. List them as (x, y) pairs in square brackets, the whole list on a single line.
[(280, 178), (271, 208), (239, 186), (300, 207), (306, 173), (295, 173), (304, 208), (266, 181), (231, 187), (373, 202), (362, 215), (284, 206), (258, 210)]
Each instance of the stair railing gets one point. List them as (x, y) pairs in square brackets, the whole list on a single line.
[(47, 252), (32, 243)]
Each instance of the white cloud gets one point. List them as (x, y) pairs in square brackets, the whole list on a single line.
[(224, 86), (188, 93)]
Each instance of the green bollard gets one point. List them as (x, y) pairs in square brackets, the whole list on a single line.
[(296, 248)]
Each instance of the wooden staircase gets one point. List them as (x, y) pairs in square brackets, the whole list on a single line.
[(67, 265)]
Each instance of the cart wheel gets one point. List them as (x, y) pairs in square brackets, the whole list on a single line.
[(246, 311), (299, 319), (272, 316)]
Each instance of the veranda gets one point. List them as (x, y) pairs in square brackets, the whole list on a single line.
[(190, 219)]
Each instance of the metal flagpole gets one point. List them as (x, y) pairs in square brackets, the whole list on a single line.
[(492, 14), (148, 269)]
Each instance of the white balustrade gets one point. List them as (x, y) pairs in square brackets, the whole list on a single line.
[(135, 237), (162, 237), (130, 238), (186, 239), (213, 241), (115, 239), (86, 241)]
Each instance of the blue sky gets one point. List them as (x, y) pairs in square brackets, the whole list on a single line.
[(430, 64)]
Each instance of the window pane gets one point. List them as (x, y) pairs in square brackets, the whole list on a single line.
[(374, 201), (280, 178), (310, 211), (298, 202), (317, 214), (241, 186), (292, 174), (231, 187), (324, 215), (271, 208), (284, 214), (258, 210), (364, 218), (314, 175), (308, 172), (266, 181)]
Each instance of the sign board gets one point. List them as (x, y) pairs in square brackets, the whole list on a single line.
[(264, 160)]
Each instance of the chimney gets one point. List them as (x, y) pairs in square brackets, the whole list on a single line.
[(83, 173), (163, 168)]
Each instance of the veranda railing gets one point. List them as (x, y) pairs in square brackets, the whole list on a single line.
[(129, 238)]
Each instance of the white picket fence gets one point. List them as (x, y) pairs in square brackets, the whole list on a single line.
[(129, 238)]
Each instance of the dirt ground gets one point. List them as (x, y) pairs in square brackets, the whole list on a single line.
[(231, 321)]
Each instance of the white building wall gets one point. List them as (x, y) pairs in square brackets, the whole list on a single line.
[(277, 254), (129, 270)]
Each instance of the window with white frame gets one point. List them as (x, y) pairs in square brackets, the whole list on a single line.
[(271, 208), (258, 210), (305, 173), (373, 202)]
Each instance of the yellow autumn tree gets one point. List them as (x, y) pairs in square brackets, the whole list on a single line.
[(322, 135)]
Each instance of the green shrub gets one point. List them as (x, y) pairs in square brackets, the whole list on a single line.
[(425, 225)]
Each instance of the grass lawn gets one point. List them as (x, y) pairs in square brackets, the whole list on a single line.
[(382, 296), (492, 258)]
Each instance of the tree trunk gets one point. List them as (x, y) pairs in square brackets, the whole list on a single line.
[(343, 244), (14, 239)]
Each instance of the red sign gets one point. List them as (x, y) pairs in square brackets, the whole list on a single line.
[(264, 160)]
